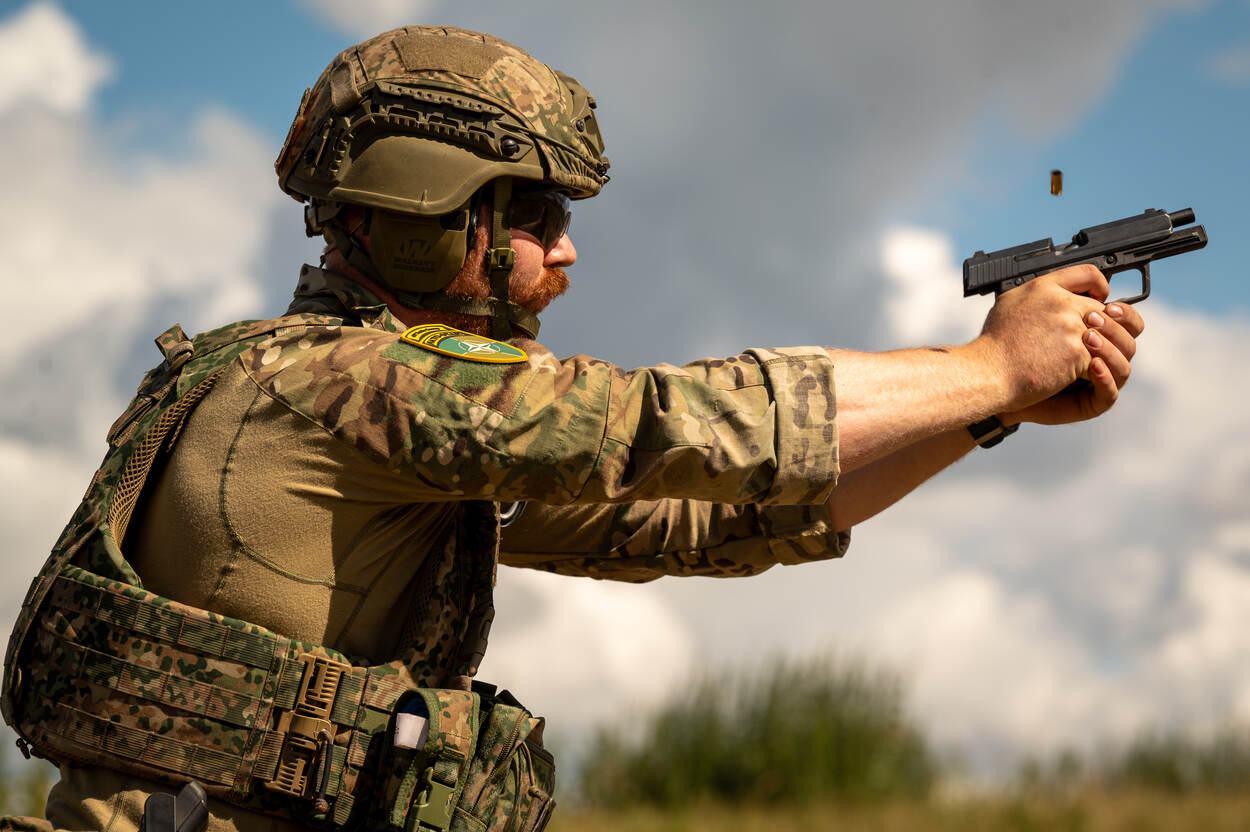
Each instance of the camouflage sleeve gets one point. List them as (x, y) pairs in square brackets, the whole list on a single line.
[(754, 428), (645, 540)]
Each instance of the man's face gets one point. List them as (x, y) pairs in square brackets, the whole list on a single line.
[(538, 276)]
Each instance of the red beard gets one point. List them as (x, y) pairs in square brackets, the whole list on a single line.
[(551, 283)]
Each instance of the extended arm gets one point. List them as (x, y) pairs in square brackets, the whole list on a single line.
[(902, 415)]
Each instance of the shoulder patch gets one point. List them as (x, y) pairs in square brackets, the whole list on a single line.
[(460, 344)]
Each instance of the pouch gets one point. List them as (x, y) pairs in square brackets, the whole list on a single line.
[(482, 766)]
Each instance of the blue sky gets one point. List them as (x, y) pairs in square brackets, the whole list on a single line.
[(795, 173), (1165, 131), (173, 58)]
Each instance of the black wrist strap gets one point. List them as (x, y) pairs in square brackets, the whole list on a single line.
[(989, 432)]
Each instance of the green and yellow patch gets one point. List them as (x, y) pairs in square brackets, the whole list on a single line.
[(460, 344)]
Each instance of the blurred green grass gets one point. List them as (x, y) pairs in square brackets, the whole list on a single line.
[(24, 785), (782, 732), (1119, 811)]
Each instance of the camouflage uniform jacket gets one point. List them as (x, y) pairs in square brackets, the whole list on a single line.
[(328, 462), (322, 469)]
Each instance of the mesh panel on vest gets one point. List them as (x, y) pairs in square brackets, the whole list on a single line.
[(134, 475)]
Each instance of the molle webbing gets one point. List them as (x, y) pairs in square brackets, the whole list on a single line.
[(151, 656), (103, 672)]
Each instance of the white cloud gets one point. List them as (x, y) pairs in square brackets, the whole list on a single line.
[(364, 18), (988, 663), (925, 304), (1202, 667), (45, 63), (45, 486), (584, 650), (105, 233), (100, 242)]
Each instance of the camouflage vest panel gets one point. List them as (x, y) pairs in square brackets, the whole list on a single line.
[(101, 672)]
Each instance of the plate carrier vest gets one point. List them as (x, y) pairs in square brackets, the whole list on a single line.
[(100, 672)]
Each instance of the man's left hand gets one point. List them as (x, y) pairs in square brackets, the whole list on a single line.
[(1112, 341)]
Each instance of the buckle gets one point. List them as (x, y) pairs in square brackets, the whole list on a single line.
[(433, 804), (307, 725), (501, 259)]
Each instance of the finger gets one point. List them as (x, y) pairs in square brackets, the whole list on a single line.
[(1113, 332), (1127, 317), (1104, 390), (1083, 280), (1105, 352)]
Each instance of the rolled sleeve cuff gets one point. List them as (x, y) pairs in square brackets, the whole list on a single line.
[(800, 380), (801, 534)]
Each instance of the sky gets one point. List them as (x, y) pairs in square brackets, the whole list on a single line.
[(782, 174)]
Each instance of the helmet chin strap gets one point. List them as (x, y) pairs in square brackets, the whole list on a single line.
[(506, 316), (499, 261)]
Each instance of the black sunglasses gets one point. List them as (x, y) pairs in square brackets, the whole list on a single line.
[(545, 214)]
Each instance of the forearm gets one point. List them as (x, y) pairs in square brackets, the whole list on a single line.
[(877, 485), (645, 540), (893, 400)]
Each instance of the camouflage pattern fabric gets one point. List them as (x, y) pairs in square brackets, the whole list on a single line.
[(644, 540), (465, 91), (718, 467), (753, 428), (115, 675)]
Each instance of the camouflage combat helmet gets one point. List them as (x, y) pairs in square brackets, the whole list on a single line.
[(415, 122)]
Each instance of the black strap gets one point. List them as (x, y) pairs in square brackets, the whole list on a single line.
[(989, 432)]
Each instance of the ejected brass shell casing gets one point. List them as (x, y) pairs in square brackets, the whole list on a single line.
[(1056, 182)]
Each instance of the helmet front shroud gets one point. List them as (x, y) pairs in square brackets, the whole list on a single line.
[(416, 121)]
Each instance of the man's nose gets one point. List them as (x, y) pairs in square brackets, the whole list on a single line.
[(561, 254)]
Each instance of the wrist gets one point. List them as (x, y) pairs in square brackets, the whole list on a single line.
[(985, 360)]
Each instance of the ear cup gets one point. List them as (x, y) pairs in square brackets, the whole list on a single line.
[(418, 254)]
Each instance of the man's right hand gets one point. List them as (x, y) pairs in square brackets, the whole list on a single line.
[(1050, 332)]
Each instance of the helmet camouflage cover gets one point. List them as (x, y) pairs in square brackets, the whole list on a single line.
[(416, 119)]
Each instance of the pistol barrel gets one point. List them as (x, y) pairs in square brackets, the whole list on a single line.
[(1182, 217)]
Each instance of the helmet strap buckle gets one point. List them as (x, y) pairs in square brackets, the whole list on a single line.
[(501, 259)]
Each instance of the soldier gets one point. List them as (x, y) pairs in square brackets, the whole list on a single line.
[(279, 581)]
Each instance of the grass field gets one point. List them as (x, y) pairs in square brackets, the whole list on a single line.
[(829, 745), (1093, 812)]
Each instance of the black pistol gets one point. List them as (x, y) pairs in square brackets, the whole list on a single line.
[(188, 812), (1113, 247)]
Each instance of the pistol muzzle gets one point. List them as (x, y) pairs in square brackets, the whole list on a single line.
[(1182, 217)]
